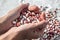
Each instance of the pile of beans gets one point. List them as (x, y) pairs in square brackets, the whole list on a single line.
[(34, 14)]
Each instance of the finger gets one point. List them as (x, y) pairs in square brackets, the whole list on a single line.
[(40, 32), (42, 16), (24, 5), (32, 25), (41, 24), (26, 28)]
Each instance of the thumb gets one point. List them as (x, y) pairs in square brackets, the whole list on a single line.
[(23, 6)]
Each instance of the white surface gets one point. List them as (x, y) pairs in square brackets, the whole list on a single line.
[(6, 5)]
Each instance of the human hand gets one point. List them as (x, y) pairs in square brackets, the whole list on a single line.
[(31, 30), (5, 21), (25, 31)]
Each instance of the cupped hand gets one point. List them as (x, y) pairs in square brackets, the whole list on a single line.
[(6, 20), (26, 31)]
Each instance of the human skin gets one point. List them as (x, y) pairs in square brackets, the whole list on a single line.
[(5, 21), (8, 32)]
